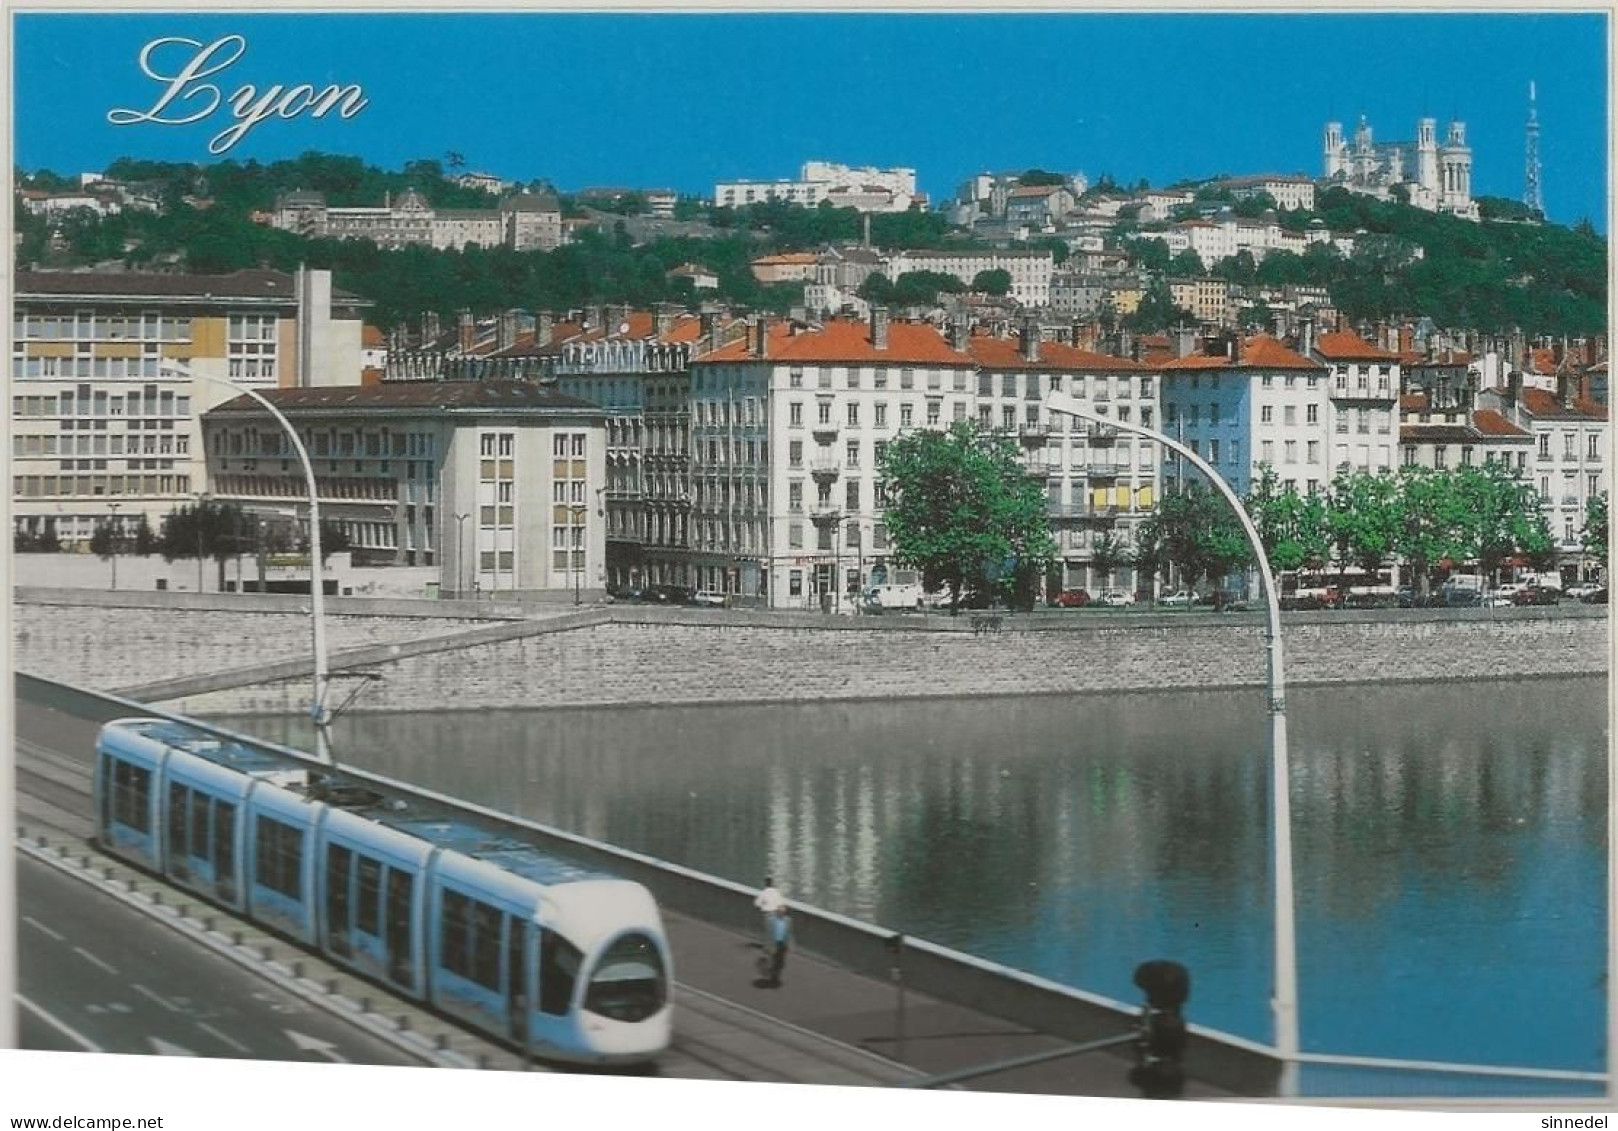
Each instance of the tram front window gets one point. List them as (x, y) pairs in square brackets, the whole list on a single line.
[(629, 983)]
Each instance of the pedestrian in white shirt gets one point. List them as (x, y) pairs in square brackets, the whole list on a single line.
[(769, 901)]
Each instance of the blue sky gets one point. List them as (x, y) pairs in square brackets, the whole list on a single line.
[(684, 100)]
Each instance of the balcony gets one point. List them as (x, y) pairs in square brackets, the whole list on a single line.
[(1103, 470), (1033, 435), (825, 430), (1101, 434), (825, 514), (825, 470), (1039, 469), (1080, 512)]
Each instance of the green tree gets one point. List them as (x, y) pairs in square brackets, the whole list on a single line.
[(1150, 557), (1501, 517), (1107, 553), (1188, 263), (1041, 177), (993, 282), (963, 510), (206, 529), (1149, 253), (1363, 518), (1292, 527), (1595, 533), (1431, 523), (144, 541), (108, 540), (1200, 535)]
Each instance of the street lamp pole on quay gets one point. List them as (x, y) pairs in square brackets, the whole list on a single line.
[(318, 711), (112, 531), (1284, 1000)]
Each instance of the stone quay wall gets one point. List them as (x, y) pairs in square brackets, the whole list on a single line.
[(623, 655)]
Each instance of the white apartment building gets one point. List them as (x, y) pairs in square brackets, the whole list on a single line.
[(526, 222), (108, 381), (1363, 400), (1287, 192), (1568, 464), (1226, 235), (788, 428), (866, 188), (498, 483), (1030, 271)]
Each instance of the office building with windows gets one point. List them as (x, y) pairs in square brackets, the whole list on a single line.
[(108, 381), (500, 484)]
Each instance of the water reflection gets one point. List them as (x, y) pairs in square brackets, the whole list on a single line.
[(1450, 839)]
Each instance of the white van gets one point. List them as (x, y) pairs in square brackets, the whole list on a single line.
[(897, 598)]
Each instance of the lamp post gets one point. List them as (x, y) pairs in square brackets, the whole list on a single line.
[(1284, 1000), (460, 552), (112, 541), (317, 591)]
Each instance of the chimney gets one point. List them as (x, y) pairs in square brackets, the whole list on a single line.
[(544, 327), (662, 320), (1564, 389), (708, 325), (879, 327), (507, 331), (760, 334), (430, 327), (1028, 339), (617, 316), (466, 330), (1237, 345), (1306, 335), (959, 331), (1514, 387), (1185, 340)]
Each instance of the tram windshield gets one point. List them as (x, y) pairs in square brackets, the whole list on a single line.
[(629, 982)]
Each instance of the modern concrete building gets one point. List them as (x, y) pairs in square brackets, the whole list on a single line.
[(526, 222), (500, 484), (867, 189), (107, 381)]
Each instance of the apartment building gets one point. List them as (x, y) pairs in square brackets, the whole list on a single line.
[(525, 222), (1240, 403), (1362, 406), (1030, 271), (111, 373), (866, 188), (499, 484)]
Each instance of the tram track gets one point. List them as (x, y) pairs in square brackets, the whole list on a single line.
[(714, 1039)]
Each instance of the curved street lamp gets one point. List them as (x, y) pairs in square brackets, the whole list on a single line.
[(317, 593), (1284, 1002)]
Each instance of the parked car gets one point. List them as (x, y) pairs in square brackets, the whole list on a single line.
[(1595, 597), (1072, 598), (1117, 598), (670, 595), (1178, 598), (1537, 595), (708, 599), (1505, 594), (1369, 599), (1580, 592)]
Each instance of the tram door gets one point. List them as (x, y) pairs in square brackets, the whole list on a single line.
[(517, 1004), (339, 862), (396, 930), (224, 850)]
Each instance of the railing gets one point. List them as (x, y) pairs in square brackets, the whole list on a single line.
[(823, 514), (1033, 433), (825, 468), (1103, 470)]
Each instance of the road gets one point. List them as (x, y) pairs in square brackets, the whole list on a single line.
[(98, 976)]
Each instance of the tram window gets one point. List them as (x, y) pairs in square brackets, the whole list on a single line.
[(338, 862), (401, 894), (486, 933), (454, 925), (199, 824), (368, 899), (279, 852), (107, 790), (224, 848), (132, 797), (629, 982), (559, 962), (177, 796)]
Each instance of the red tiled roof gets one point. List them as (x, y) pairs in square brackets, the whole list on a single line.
[(1006, 353), (844, 340), (372, 338), (1259, 352), (1414, 402), (1543, 403), (1345, 345), (1491, 423)]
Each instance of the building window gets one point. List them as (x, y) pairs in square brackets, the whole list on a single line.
[(1440, 456), (795, 414), (1311, 414)]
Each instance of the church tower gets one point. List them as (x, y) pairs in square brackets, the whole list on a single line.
[(1427, 175), (1334, 149)]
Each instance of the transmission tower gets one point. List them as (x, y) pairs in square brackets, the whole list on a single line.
[(1532, 195)]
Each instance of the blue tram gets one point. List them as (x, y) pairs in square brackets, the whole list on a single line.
[(537, 951)]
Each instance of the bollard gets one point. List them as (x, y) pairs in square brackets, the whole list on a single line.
[(106, 871), (266, 952), (86, 864), (41, 840), (483, 1061), (208, 923), (441, 1041), (404, 1023), (235, 938), (157, 898), (331, 986), (365, 1005), (297, 969)]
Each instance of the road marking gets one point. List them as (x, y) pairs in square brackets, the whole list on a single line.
[(168, 1048), (94, 961), (62, 1027), (151, 996), (314, 1044), (225, 1037), (38, 926)]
